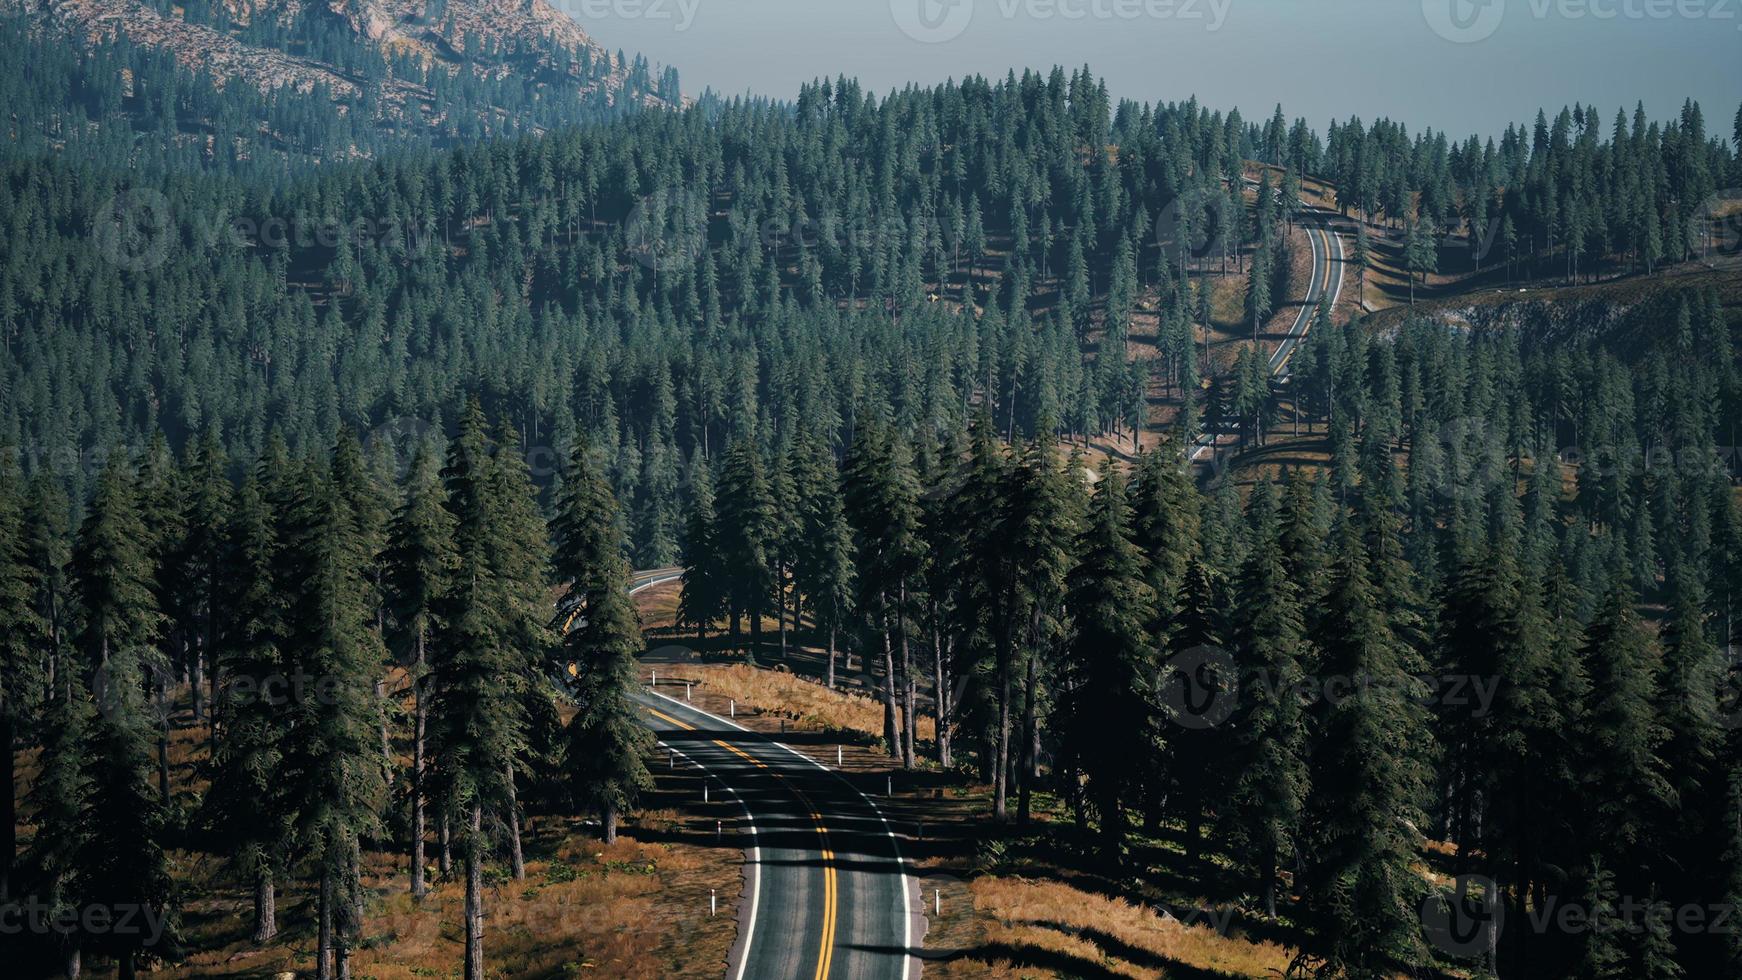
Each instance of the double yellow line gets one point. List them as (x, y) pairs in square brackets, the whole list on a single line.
[(831, 887)]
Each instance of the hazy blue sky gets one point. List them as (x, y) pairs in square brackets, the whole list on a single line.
[(1319, 58)]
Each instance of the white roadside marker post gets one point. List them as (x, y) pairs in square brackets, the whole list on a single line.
[(713, 903), (837, 757), (937, 902), (719, 830), (705, 789), (732, 708), (686, 690), (655, 678)]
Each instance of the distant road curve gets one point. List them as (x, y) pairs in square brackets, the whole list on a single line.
[(1327, 273)]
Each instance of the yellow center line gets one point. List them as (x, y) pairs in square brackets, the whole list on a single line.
[(831, 887)]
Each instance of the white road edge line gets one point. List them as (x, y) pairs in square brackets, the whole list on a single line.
[(755, 857), (900, 862), (749, 818)]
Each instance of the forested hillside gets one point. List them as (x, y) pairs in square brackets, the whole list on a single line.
[(274, 87), (672, 280)]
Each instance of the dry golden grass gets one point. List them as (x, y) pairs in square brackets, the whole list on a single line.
[(809, 704), (633, 910), (629, 910), (658, 605), (1041, 929)]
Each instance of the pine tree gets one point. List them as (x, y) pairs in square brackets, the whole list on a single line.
[(46, 542), (519, 553), (200, 563), (825, 566), (1420, 253), (1165, 527), (1104, 720), (1604, 955), (882, 505), (701, 600), (367, 502), (606, 739), (419, 563), (334, 774), (22, 635), (1036, 531), (969, 555), (120, 857), (1197, 753), (59, 797), (112, 574), (1268, 725), (1362, 889), (1689, 687), (246, 810), (1624, 736), (745, 530), (161, 499), (478, 715), (1258, 281)]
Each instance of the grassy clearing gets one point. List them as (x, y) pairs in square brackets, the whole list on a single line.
[(1049, 929), (628, 910), (805, 704)]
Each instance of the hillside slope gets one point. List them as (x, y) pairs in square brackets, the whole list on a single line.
[(227, 81)]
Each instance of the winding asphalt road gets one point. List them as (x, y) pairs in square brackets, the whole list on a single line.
[(1327, 273), (826, 893)]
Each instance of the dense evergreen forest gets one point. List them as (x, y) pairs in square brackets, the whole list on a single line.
[(370, 426), (673, 280)]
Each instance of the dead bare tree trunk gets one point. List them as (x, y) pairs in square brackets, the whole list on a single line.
[(909, 725), (324, 942), (517, 856), (475, 895), (891, 730), (420, 724)]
